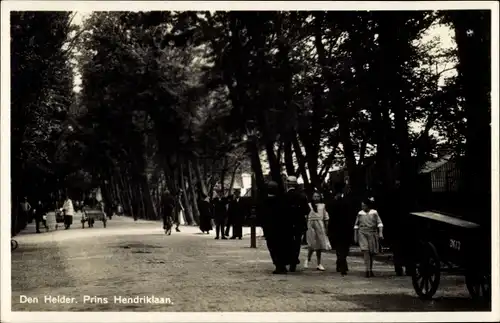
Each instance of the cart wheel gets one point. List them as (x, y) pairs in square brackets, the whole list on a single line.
[(427, 273), (479, 286), (13, 244)]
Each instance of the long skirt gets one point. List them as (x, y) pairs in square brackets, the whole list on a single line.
[(68, 219), (205, 223), (316, 236), (368, 241)]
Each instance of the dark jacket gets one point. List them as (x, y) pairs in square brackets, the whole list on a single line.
[(236, 211), (167, 204), (341, 222), (296, 208), (219, 208), (270, 213)]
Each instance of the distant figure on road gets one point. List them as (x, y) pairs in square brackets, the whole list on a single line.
[(296, 208), (167, 209), (273, 219), (341, 222), (25, 210), (236, 215), (368, 229), (178, 209), (220, 216), (40, 214), (205, 209), (68, 212), (317, 222)]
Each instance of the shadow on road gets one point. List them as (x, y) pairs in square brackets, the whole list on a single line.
[(394, 303)]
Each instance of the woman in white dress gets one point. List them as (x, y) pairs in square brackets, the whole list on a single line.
[(317, 239)]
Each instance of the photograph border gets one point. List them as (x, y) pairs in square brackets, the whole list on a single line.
[(86, 6)]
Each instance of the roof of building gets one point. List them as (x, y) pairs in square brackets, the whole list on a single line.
[(430, 166)]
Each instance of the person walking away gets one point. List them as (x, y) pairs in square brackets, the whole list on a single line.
[(273, 219), (368, 229), (236, 212), (68, 212), (26, 211), (296, 208), (177, 210), (341, 223), (229, 218), (220, 217), (40, 214), (317, 222), (205, 213), (167, 210)]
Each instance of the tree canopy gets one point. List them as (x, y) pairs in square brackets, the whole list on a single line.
[(189, 100)]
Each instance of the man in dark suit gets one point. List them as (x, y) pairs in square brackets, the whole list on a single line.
[(220, 216), (236, 215), (340, 230), (296, 207)]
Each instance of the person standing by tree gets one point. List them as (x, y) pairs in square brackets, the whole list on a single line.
[(236, 213), (167, 209), (296, 208)]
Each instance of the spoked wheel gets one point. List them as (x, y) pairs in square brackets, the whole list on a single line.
[(13, 244), (427, 273), (479, 285)]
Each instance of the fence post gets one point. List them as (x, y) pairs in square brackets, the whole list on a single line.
[(253, 233)]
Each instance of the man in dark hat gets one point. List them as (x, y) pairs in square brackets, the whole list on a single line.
[(275, 224), (340, 231), (296, 209), (220, 216), (236, 214)]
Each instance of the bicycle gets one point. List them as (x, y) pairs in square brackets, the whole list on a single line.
[(13, 244)]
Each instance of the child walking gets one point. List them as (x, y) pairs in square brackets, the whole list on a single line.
[(368, 229), (317, 239)]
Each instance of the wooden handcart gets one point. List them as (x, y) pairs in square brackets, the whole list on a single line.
[(448, 244)]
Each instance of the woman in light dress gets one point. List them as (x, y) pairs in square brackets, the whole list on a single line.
[(317, 239), (368, 229), (68, 212)]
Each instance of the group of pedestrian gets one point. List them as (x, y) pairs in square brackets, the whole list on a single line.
[(227, 213), (287, 218), (171, 208)]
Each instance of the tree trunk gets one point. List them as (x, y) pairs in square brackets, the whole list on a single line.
[(256, 167), (187, 205), (473, 38), (223, 177), (343, 118), (390, 43), (274, 165), (233, 177), (199, 177), (302, 162), (290, 168), (192, 189)]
